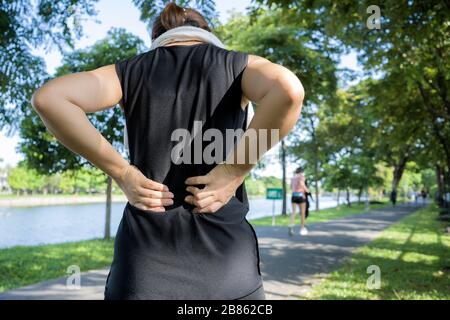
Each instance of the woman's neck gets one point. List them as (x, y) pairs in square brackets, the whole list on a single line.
[(184, 43)]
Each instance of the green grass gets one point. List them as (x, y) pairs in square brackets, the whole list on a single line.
[(414, 259), (321, 216), (24, 265)]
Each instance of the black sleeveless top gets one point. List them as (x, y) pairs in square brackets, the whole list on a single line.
[(178, 254)]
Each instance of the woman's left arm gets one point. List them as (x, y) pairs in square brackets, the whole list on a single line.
[(62, 104)]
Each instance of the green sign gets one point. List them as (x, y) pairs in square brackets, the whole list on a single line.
[(274, 193)]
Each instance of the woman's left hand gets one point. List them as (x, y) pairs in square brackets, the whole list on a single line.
[(220, 185)]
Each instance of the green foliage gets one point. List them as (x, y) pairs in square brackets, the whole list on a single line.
[(84, 180), (24, 26), (409, 57), (284, 39), (22, 179), (257, 186), (42, 150)]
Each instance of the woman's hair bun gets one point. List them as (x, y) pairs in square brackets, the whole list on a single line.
[(173, 16)]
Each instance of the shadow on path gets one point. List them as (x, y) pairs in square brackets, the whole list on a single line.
[(291, 265)]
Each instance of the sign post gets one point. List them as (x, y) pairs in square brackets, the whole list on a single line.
[(274, 194)]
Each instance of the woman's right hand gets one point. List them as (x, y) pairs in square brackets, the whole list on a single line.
[(220, 183), (143, 193)]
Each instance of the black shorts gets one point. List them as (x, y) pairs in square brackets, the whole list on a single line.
[(295, 199)]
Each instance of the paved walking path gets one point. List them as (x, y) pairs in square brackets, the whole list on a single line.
[(290, 264)]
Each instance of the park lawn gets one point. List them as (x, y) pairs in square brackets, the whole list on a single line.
[(25, 265), (321, 216), (414, 260)]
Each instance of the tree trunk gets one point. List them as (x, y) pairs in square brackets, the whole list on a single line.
[(348, 198), (338, 196), (438, 128), (108, 208), (316, 185), (440, 186), (283, 167), (367, 199), (360, 190), (446, 180), (399, 168)]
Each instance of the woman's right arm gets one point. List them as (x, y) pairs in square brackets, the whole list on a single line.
[(62, 104), (279, 95)]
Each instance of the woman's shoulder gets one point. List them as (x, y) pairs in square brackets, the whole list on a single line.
[(135, 62)]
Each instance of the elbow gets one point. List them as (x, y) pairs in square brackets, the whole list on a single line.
[(293, 91), (40, 100), (295, 95)]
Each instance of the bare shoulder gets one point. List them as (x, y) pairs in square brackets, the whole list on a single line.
[(256, 59), (261, 75)]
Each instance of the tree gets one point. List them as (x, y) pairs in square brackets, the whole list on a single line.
[(41, 148), (24, 26), (17, 179), (282, 38), (412, 41), (348, 138), (27, 25), (22, 179)]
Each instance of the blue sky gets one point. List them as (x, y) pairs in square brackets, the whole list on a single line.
[(122, 13)]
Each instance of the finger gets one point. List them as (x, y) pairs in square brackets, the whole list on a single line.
[(142, 206), (199, 193), (156, 202), (197, 180), (204, 194), (209, 209), (199, 203), (192, 189), (189, 199), (157, 209), (204, 202), (153, 185), (155, 194)]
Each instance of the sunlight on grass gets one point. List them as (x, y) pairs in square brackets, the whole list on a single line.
[(414, 259), (23, 265)]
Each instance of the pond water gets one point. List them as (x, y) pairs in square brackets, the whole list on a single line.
[(61, 223)]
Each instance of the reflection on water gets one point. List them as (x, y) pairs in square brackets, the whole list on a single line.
[(61, 223)]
